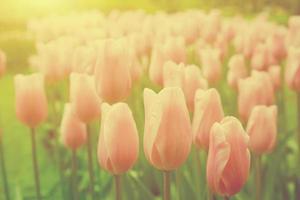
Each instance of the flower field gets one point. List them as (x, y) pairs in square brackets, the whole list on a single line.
[(146, 105)]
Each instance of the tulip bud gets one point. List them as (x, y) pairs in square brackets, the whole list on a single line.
[(31, 100), (193, 80), (84, 97), (237, 70), (168, 135), (260, 57), (262, 129), (112, 72), (211, 65), (173, 74), (208, 110), (118, 141), (73, 131), (2, 62), (292, 70), (228, 161), (252, 91), (274, 72)]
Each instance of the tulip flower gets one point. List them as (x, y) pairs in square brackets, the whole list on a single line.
[(262, 129), (274, 72), (188, 78), (292, 71), (118, 141), (2, 62), (211, 65), (208, 110), (73, 130), (237, 70), (73, 136), (84, 97), (228, 161), (118, 145), (31, 109), (193, 80), (112, 72), (31, 101), (254, 90), (167, 132), (167, 137), (172, 50), (260, 57)]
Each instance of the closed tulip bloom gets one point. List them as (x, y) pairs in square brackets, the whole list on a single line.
[(274, 72), (262, 129), (175, 49), (255, 90), (173, 74), (73, 130), (211, 65), (292, 71), (118, 145), (84, 97), (237, 70), (208, 110), (31, 101), (167, 133), (112, 72), (228, 161), (156, 65), (2, 62), (193, 80), (260, 57)]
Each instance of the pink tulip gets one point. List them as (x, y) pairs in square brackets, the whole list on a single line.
[(292, 71), (211, 65), (275, 74), (156, 65), (173, 49), (228, 161), (2, 62), (84, 97), (188, 78), (260, 57), (168, 135), (208, 110), (118, 145), (262, 129), (254, 90), (73, 130), (173, 74), (237, 70), (31, 101), (193, 80), (112, 73)]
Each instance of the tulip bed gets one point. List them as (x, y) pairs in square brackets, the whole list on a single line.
[(130, 105)]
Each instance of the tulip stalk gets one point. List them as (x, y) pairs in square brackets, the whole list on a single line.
[(3, 171), (258, 177), (118, 188), (35, 165), (74, 174), (298, 105), (90, 160), (167, 185)]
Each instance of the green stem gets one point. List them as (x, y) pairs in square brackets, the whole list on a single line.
[(59, 164), (226, 198), (118, 188), (167, 185), (74, 174), (198, 176), (35, 164), (258, 177), (3, 170), (90, 160), (298, 106)]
